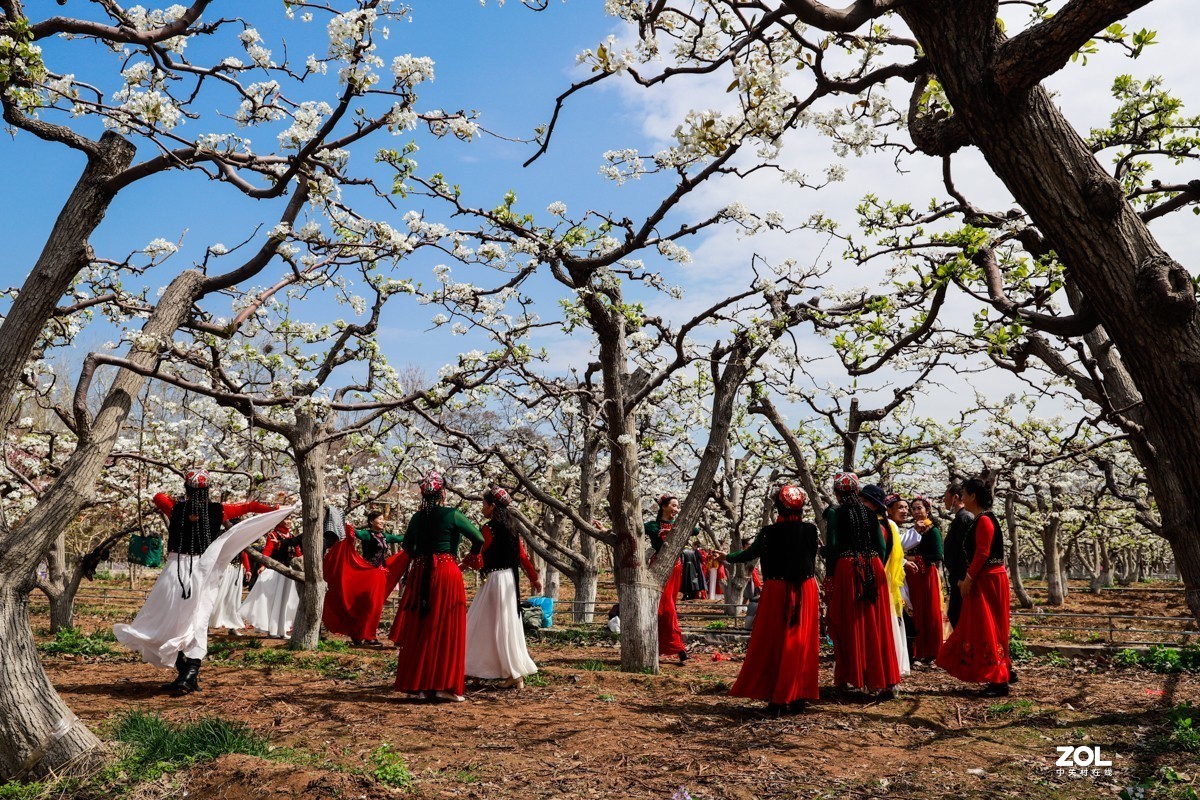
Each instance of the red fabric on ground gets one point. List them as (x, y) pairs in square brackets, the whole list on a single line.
[(925, 590), (433, 647), (357, 590), (781, 660), (670, 638), (864, 652), (977, 650)]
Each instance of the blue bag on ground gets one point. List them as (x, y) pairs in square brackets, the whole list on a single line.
[(546, 604)]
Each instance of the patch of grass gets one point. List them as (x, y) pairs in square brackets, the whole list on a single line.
[(1055, 659), (1018, 646), (1162, 659), (538, 679), (1018, 708), (606, 698), (14, 790), (1095, 638), (578, 635), (72, 641), (467, 776), (593, 665), (333, 646), (717, 625), (1184, 733), (390, 769), (158, 746), (329, 666), (273, 657)]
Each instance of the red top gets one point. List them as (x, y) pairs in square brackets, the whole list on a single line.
[(165, 503), (984, 531)]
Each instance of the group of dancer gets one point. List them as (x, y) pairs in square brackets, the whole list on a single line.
[(876, 576), (439, 642)]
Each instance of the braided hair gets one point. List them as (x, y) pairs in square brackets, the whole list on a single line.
[(193, 534), (861, 521)]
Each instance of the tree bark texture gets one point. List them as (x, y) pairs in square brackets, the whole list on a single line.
[(310, 464), (1139, 293)]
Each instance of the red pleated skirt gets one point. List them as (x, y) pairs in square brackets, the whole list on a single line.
[(670, 638), (433, 646), (864, 650), (977, 650), (781, 660), (925, 590)]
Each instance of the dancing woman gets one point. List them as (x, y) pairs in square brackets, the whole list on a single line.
[(431, 623), (781, 660), (171, 629), (860, 608), (977, 650), (495, 635)]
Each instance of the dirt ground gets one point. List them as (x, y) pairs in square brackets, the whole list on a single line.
[(588, 731)]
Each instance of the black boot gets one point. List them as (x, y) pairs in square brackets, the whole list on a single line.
[(191, 675), (180, 665)]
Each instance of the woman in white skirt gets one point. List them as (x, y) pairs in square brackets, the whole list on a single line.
[(225, 612), (271, 606), (171, 630), (495, 636)]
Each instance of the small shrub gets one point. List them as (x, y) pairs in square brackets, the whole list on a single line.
[(537, 679), (1128, 658), (717, 625), (390, 769), (1055, 659), (1163, 659), (1018, 647), (333, 646), (14, 790), (593, 665), (72, 641)]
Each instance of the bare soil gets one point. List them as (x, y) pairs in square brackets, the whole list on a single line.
[(589, 731)]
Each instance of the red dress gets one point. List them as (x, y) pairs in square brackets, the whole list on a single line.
[(977, 650), (925, 589), (431, 623), (670, 637), (863, 646), (781, 663), (357, 590)]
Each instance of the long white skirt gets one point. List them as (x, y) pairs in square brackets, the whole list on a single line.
[(168, 623), (495, 636), (901, 645), (229, 597), (271, 605)]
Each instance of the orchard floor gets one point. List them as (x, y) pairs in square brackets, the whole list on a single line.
[(589, 731)]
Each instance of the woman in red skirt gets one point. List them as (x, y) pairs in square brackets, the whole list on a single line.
[(925, 582), (431, 623), (781, 661), (670, 637), (977, 650), (860, 606)]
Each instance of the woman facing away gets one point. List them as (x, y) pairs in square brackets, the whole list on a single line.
[(860, 607), (431, 622), (781, 659), (495, 634)]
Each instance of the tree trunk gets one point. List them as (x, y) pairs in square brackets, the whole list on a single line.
[(1141, 296), (40, 734), (639, 621), (584, 608), (550, 581), (310, 464), (1014, 550), (1055, 586)]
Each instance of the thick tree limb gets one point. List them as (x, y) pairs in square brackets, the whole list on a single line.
[(842, 20), (1025, 60), (1072, 325)]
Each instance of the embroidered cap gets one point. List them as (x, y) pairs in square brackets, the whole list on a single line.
[(791, 497), (500, 496), (197, 479), (432, 483), (845, 482)]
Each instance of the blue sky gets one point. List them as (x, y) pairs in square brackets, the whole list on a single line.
[(509, 63)]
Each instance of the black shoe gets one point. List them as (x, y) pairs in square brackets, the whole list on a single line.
[(683, 657), (885, 695), (776, 709), (1012, 675), (995, 690), (797, 707), (188, 680), (180, 666)]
